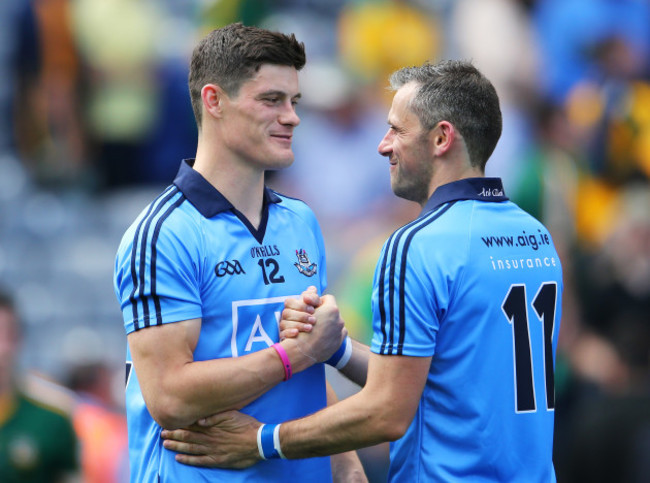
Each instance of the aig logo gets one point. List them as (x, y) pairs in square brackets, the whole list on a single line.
[(228, 268)]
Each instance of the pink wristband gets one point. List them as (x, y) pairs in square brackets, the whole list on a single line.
[(285, 360)]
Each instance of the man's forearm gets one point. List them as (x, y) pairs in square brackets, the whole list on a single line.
[(356, 369), (381, 411), (346, 467), (199, 389), (353, 423)]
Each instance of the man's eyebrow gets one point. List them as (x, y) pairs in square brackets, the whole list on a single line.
[(278, 93)]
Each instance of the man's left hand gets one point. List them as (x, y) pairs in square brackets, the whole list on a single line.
[(224, 440)]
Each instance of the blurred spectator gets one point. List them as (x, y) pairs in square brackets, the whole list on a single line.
[(615, 278), (572, 32), (597, 65), (37, 443), (100, 425), (379, 36), (608, 437), (117, 42), (613, 123), (173, 134), (20, 60), (508, 54), (62, 159)]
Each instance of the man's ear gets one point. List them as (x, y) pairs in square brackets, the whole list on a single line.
[(213, 97), (442, 137)]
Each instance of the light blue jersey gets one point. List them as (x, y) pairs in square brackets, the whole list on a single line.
[(191, 255), (476, 283)]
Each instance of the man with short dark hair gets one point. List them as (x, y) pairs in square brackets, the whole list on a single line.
[(203, 272)]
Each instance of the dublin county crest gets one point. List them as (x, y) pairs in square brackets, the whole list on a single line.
[(304, 266)]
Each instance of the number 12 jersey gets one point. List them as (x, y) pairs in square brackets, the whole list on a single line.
[(190, 254)]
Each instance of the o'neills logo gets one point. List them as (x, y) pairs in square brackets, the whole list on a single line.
[(491, 192), (304, 266)]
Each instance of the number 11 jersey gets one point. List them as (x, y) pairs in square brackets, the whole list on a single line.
[(474, 282)]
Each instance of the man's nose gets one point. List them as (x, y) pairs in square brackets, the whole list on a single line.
[(384, 145), (289, 115)]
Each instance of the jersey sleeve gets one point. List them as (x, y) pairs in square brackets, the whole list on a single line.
[(413, 287), (157, 273), (405, 319)]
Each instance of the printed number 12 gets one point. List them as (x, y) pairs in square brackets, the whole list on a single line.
[(516, 311), (274, 268)]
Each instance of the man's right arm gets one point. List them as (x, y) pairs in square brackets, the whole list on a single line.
[(179, 390)]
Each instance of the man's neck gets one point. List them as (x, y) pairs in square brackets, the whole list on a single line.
[(242, 185), (442, 177)]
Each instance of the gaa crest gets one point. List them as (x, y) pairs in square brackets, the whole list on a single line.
[(304, 266)]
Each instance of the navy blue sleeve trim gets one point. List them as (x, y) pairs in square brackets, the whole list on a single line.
[(138, 264), (154, 255), (393, 246)]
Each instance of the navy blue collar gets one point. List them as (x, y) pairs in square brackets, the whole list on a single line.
[(205, 197), (483, 189)]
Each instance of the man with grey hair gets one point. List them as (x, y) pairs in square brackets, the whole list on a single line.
[(466, 313)]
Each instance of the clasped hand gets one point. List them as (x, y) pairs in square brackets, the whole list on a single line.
[(229, 439), (315, 323)]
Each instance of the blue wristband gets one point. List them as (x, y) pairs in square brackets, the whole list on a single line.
[(265, 442), (342, 355), (268, 442)]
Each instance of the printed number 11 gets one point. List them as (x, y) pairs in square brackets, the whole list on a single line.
[(516, 310)]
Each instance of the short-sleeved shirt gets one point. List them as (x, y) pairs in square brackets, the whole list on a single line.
[(476, 283), (190, 254), (37, 443)]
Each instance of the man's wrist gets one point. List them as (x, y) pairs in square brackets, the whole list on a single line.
[(300, 359), (342, 355), (268, 442), (286, 362)]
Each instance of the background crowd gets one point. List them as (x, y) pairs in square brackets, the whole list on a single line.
[(95, 118)]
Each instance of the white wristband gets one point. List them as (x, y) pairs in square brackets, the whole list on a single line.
[(259, 442), (268, 442), (276, 442)]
